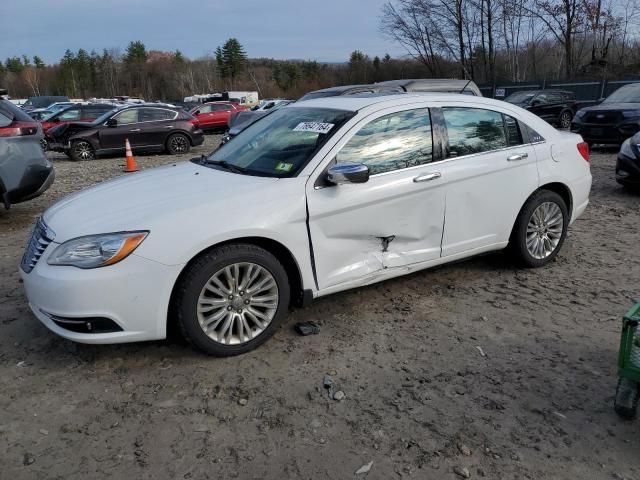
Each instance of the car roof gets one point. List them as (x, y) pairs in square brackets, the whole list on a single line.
[(389, 99)]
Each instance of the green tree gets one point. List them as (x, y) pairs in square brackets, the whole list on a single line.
[(231, 59), (286, 75), (136, 53), (358, 67), (37, 61), (178, 58), (14, 65)]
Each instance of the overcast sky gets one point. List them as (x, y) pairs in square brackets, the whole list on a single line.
[(323, 30)]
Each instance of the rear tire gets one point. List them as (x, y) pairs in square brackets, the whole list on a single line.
[(540, 229), (178, 143), (81, 150), (215, 312)]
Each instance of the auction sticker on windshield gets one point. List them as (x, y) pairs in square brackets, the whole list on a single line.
[(317, 127), (284, 167)]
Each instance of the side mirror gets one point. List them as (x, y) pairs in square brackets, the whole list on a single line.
[(112, 122), (348, 173), (197, 112)]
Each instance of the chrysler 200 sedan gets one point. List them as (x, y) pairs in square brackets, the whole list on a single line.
[(320, 196)]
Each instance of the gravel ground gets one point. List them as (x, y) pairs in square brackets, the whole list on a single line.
[(478, 368)]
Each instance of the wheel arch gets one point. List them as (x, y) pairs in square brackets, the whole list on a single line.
[(183, 132), (280, 251), (556, 187)]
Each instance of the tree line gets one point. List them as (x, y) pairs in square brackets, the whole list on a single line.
[(517, 40), (488, 41)]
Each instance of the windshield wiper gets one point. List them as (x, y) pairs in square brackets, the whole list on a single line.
[(226, 165)]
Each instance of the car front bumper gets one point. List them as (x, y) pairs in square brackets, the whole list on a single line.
[(628, 171), (132, 294), (611, 134)]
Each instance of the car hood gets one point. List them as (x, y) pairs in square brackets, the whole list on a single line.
[(143, 200), (604, 107)]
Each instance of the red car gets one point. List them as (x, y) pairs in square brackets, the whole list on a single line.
[(215, 115), (75, 113)]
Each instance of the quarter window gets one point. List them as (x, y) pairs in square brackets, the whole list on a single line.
[(395, 141), (514, 135), (473, 130)]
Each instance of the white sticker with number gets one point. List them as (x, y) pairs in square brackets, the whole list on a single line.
[(316, 127)]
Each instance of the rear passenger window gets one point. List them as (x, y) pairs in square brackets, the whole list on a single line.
[(473, 130), (155, 114), (395, 141)]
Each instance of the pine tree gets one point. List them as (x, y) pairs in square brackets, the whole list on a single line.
[(231, 59), (37, 61)]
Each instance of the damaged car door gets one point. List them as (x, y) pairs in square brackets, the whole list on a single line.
[(394, 218)]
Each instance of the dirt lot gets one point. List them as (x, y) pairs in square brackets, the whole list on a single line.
[(421, 400)]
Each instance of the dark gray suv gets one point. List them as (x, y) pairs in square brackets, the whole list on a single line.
[(25, 170)]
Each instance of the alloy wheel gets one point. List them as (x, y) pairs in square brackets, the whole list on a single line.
[(544, 230), (179, 144), (237, 303), (83, 150), (565, 120)]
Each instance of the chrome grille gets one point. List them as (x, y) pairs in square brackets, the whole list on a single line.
[(40, 239)]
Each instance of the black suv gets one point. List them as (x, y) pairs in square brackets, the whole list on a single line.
[(25, 171), (555, 106), (612, 121), (147, 127)]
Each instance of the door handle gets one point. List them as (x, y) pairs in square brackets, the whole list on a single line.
[(517, 156), (134, 130), (427, 177)]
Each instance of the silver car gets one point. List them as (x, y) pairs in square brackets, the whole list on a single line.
[(25, 170)]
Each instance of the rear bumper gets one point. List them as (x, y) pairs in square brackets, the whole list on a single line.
[(197, 138), (35, 181)]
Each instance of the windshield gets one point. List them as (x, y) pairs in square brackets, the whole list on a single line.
[(520, 97), (626, 94), (281, 143)]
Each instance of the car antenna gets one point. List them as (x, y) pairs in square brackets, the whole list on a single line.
[(465, 86)]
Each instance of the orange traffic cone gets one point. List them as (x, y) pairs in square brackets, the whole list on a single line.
[(131, 162)]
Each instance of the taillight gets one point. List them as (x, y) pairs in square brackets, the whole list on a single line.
[(18, 129), (583, 148)]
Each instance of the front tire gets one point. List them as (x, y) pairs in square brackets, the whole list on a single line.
[(231, 299), (540, 229), (178, 143), (81, 150)]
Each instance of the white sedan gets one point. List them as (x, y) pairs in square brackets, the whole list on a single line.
[(318, 197)]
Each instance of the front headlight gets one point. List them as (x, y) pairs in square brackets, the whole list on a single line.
[(95, 251), (579, 114), (626, 149)]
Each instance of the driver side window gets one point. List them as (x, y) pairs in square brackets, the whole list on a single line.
[(392, 142), (128, 116)]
